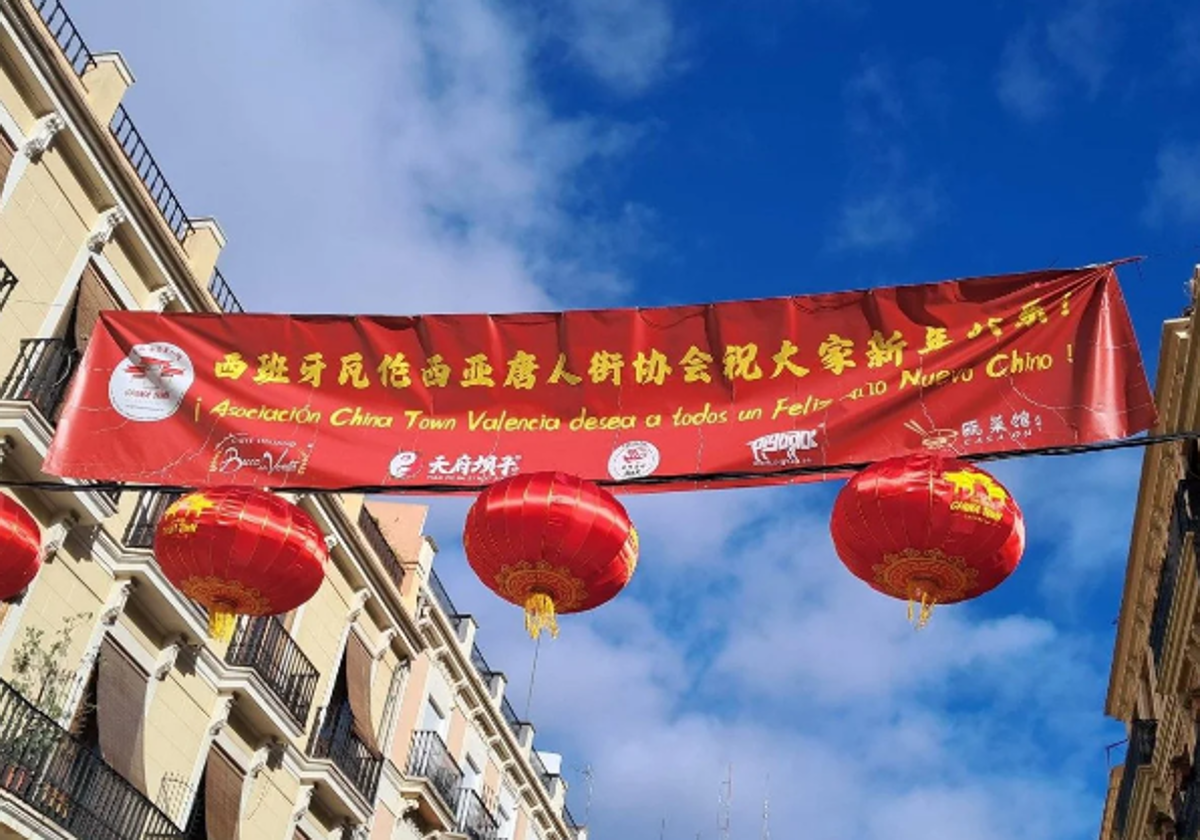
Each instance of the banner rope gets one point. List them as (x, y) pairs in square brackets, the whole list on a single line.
[(701, 480)]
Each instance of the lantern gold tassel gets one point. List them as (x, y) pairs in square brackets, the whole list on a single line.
[(539, 615), (925, 612), (221, 624)]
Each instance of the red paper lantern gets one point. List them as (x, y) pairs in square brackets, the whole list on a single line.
[(240, 551), (929, 529), (551, 543), (20, 547)]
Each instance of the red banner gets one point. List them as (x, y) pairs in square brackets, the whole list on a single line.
[(753, 387)]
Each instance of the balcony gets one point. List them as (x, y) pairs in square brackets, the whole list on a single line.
[(510, 717), (8, 282), (65, 782), (480, 664), (430, 760), (336, 741), (474, 820), (369, 525), (1137, 755), (442, 597), (1186, 802), (41, 374), (221, 292), (62, 29), (1178, 589), (539, 767), (151, 505), (264, 645), (572, 825)]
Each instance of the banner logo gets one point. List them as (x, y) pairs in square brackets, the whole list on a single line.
[(150, 384), (633, 459)]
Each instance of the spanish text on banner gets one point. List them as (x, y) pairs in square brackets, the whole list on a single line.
[(758, 387)]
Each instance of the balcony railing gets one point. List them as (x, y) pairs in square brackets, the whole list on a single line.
[(62, 29), (481, 665), (369, 525), (539, 767), (443, 598), (1138, 754), (67, 783), (221, 292), (151, 505), (429, 759), (1186, 802), (139, 157), (264, 645), (1182, 522), (570, 820), (8, 282), (41, 374), (473, 818), (510, 717), (335, 740), (1168, 578)]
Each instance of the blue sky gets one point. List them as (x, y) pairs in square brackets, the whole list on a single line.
[(466, 155)]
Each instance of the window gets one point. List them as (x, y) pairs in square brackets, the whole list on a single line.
[(470, 775), (506, 815), (432, 719), (8, 151)]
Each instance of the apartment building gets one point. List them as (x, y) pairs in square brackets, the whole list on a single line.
[(1154, 685), (369, 712)]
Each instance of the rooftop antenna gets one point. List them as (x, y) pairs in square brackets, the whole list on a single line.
[(766, 827), (662, 831), (589, 776), (726, 803)]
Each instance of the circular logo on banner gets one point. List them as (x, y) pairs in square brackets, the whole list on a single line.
[(634, 459), (151, 382), (402, 464)]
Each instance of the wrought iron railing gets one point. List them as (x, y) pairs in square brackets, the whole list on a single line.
[(223, 294), (1183, 521), (264, 645), (67, 783), (138, 154), (510, 717), (573, 825), (442, 597), (64, 32), (429, 759), (151, 505), (481, 665), (369, 525), (41, 374), (1186, 801), (539, 767), (473, 818), (8, 282), (1138, 754), (1168, 577), (336, 740)]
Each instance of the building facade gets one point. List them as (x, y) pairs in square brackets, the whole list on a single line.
[(1154, 686), (369, 712)]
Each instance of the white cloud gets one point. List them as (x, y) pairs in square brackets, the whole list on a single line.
[(1023, 83), (744, 640), (889, 218), (630, 45), (401, 153), (1076, 43), (1175, 191), (886, 204)]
